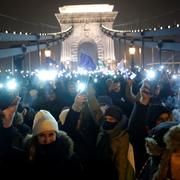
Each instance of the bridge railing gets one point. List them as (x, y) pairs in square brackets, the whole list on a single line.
[(29, 43)]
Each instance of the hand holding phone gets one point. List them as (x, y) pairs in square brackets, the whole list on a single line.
[(9, 112), (78, 102), (132, 76), (145, 93)]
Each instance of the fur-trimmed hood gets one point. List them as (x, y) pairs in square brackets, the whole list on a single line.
[(172, 138), (163, 136), (62, 141), (163, 143), (152, 148)]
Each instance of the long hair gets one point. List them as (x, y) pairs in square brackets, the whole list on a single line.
[(31, 142)]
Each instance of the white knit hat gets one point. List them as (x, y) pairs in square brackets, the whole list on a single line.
[(44, 121), (63, 115)]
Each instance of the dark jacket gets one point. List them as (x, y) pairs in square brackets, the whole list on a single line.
[(163, 140), (112, 153), (84, 137), (55, 160), (138, 132)]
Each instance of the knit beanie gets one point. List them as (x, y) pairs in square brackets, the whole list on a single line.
[(63, 115), (115, 112), (44, 121)]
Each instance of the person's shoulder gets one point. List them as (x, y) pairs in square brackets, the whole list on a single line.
[(63, 138)]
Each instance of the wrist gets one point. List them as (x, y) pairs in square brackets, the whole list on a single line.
[(76, 108), (6, 124)]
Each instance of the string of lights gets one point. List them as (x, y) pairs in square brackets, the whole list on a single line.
[(143, 21), (28, 22)]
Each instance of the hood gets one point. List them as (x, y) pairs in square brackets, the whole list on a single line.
[(172, 138)]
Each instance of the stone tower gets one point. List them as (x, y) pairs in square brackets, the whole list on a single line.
[(87, 36)]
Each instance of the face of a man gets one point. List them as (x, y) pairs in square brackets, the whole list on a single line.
[(47, 137)]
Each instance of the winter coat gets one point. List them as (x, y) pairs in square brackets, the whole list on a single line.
[(112, 153), (121, 101), (137, 133), (84, 138), (55, 160), (164, 140), (172, 141)]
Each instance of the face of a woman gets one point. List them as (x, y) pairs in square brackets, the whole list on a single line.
[(47, 137)]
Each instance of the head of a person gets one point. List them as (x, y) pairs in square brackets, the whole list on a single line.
[(152, 86), (164, 142), (113, 115), (158, 114), (158, 138), (172, 138), (109, 84), (33, 93), (116, 86), (45, 127), (104, 102), (164, 117), (71, 87)]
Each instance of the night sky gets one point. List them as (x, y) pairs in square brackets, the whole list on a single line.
[(38, 15)]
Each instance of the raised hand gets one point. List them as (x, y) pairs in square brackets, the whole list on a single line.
[(78, 102), (9, 112), (145, 93)]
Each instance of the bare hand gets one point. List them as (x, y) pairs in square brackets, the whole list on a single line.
[(130, 82), (145, 93), (8, 113), (78, 102)]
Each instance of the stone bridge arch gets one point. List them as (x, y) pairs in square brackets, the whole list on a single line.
[(86, 21)]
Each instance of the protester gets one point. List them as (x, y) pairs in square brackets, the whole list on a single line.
[(48, 152), (114, 152)]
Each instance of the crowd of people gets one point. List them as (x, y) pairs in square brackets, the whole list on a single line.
[(116, 128)]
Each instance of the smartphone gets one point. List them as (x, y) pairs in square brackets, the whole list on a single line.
[(16, 101), (132, 76)]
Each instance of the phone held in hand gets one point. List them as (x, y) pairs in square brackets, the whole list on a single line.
[(132, 76)]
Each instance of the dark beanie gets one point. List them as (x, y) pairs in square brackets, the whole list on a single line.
[(115, 112)]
